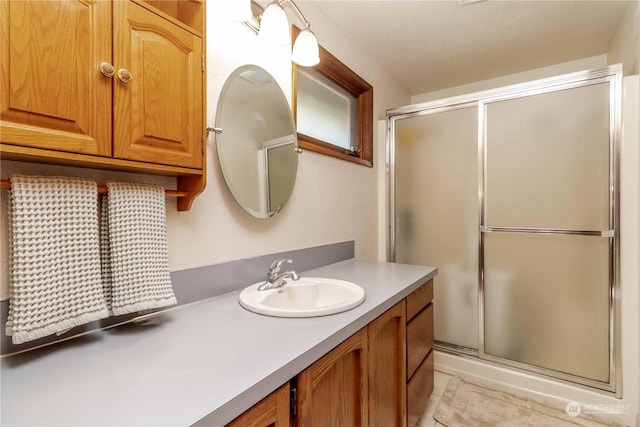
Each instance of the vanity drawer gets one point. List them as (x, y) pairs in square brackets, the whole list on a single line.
[(419, 339), (419, 299), (419, 390)]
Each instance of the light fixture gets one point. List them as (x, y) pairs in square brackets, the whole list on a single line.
[(274, 26), (305, 49), (274, 29)]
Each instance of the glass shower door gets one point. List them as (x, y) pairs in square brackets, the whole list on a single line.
[(547, 229), (513, 193), (437, 213)]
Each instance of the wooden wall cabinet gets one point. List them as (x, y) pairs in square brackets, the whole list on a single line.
[(105, 84), (158, 116), (381, 376), (53, 95)]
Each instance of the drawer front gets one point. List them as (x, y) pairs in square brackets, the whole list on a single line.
[(419, 339), (419, 299), (419, 390)]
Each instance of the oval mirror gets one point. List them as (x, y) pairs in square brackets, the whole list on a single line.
[(257, 148)]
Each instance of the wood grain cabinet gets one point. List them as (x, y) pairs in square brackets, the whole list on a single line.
[(419, 351), (272, 411), (53, 95), (331, 392), (158, 115), (381, 376), (334, 390), (387, 368), (105, 84)]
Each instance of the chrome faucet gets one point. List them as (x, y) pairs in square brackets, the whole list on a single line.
[(275, 279)]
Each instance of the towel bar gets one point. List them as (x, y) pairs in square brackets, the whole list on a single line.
[(5, 184)]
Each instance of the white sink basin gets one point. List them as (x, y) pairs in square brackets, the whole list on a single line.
[(306, 297)]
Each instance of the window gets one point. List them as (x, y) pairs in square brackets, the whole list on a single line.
[(333, 108)]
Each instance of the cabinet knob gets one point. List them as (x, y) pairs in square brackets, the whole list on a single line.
[(107, 69), (124, 75)]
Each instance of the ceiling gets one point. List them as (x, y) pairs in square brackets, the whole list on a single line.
[(431, 45)]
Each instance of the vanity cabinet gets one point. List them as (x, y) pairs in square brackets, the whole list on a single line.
[(272, 411), (419, 351), (331, 392), (387, 368), (105, 84), (380, 376), (334, 390)]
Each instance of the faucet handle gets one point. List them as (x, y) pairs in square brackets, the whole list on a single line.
[(275, 266)]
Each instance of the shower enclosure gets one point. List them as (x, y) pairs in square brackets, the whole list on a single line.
[(513, 194)]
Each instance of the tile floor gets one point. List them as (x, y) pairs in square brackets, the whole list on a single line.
[(440, 384)]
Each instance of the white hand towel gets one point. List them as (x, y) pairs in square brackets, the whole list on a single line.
[(54, 261), (134, 244)]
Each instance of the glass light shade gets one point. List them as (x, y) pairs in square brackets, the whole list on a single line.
[(274, 26), (238, 10), (305, 49)]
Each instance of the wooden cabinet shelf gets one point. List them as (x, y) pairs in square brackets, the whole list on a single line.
[(109, 84), (189, 13)]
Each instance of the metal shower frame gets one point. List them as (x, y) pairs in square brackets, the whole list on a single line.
[(611, 75)]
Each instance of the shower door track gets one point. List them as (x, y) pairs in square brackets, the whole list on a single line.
[(611, 75)]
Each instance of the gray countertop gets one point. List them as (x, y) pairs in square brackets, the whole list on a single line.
[(207, 361)]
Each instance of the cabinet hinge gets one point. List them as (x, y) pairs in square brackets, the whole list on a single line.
[(293, 400), (203, 142), (202, 62)]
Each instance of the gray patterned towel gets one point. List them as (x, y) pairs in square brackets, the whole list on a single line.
[(135, 256), (54, 260)]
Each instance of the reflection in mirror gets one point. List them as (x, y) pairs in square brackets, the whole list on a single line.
[(257, 148)]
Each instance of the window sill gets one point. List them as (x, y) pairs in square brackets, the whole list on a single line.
[(311, 144)]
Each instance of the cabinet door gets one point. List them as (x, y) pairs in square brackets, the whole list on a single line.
[(387, 368), (272, 411), (158, 116), (333, 392), (53, 94)]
